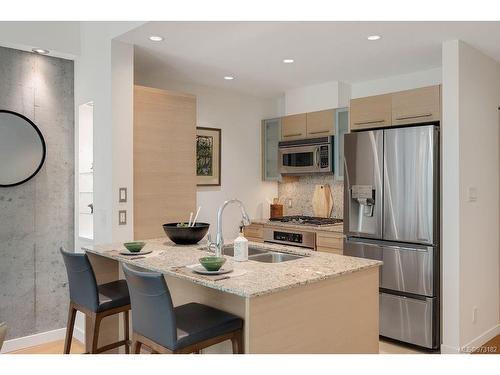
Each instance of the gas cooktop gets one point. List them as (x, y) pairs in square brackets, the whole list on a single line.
[(307, 220)]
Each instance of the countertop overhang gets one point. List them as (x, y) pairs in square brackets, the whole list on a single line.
[(258, 279)]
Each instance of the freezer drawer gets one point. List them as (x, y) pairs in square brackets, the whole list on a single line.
[(409, 269), (408, 319)]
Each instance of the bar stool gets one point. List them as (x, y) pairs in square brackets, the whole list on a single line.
[(164, 328), (95, 301)]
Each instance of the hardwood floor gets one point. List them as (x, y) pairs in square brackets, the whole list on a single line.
[(55, 347), (491, 347), (385, 347)]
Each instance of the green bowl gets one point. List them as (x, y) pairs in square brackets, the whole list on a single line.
[(134, 247), (212, 263)]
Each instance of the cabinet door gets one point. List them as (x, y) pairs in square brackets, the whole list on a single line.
[(341, 128), (293, 127), (329, 242), (415, 106), (371, 112), (271, 133), (320, 123)]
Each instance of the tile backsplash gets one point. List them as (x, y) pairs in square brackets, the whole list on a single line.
[(301, 191)]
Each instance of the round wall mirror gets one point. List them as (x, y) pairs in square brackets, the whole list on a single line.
[(22, 149)]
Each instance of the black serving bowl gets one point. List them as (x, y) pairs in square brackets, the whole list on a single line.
[(186, 235)]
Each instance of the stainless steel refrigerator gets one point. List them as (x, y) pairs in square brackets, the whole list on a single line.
[(391, 213)]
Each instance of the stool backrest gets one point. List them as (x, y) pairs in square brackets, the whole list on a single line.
[(81, 279), (152, 308)]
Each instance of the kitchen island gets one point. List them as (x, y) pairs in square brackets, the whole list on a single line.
[(317, 303)]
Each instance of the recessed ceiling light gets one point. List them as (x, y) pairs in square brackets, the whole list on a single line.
[(156, 38), (288, 61), (374, 37), (40, 51), (228, 78)]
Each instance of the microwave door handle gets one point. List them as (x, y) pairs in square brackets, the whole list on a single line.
[(316, 155)]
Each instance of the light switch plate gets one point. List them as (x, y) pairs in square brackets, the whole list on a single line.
[(122, 195), (122, 217)]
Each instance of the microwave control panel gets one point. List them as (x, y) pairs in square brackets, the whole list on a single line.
[(324, 156)]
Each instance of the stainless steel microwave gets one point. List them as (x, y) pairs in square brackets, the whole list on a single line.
[(306, 156)]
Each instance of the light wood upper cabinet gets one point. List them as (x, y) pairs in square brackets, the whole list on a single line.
[(320, 123), (371, 112), (293, 127), (418, 105)]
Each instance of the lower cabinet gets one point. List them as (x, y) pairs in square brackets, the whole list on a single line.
[(254, 232), (329, 242)]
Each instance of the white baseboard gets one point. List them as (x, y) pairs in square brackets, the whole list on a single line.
[(40, 338), (473, 344), (481, 339)]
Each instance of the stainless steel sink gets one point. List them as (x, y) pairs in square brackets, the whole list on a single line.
[(261, 255), (272, 257), (229, 250)]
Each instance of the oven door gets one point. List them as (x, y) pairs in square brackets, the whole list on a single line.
[(299, 159)]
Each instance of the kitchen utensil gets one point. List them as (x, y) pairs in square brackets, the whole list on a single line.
[(276, 210), (190, 218), (196, 217), (186, 235), (201, 270), (212, 263), (135, 246), (322, 201), (144, 252)]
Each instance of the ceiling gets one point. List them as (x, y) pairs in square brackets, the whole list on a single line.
[(252, 52)]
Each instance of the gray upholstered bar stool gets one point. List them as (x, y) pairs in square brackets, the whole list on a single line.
[(183, 329), (95, 301)]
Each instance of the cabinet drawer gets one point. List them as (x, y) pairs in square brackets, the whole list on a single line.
[(330, 250), (253, 231), (371, 112), (334, 241), (415, 106), (320, 123), (293, 127)]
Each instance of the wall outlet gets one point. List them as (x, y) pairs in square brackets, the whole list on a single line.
[(474, 314), (472, 194), (122, 195), (289, 202), (122, 217)]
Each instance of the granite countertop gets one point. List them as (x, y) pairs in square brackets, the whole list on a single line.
[(338, 228), (251, 278)]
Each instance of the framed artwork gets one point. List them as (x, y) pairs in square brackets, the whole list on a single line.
[(208, 156)]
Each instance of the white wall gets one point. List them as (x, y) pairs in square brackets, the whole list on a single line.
[(396, 83), (312, 98), (98, 71), (239, 117), (471, 96)]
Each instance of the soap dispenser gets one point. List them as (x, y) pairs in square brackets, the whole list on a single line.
[(241, 248)]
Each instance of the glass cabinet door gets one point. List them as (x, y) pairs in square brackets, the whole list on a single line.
[(341, 128), (271, 133)]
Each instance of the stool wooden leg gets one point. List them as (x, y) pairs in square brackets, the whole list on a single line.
[(126, 328), (237, 341), (136, 347), (95, 322), (69, 328)]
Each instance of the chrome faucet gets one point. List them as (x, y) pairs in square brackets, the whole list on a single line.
[(219, 240)]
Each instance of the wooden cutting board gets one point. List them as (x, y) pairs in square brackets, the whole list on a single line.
[(322, 201)]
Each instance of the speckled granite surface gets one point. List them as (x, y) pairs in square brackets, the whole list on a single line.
[(301, 193), (338, 228), (259, 279)]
